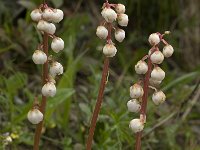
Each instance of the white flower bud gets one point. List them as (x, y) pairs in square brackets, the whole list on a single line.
[(109, 50), (57, 16), (39, 57), (141, 67), (122, 20), (102, 32), (154, 82), (119, 35), (157, 74), (136, 91), (46, 27), (109, 14), (157, 57), (35, 116), (154, 39), (120, 8), (49, 89), (57, 44), (48, 14), (136, 125), (158, 97), (36, 15), (168, 51), (56, 69), (133, 106)]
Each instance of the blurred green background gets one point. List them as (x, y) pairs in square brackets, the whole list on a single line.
[(174, 125)]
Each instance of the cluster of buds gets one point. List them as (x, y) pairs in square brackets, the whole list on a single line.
[(154, 76), (45, 18), (112, 13)]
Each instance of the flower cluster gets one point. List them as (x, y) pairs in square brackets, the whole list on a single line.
[(45, 18), (153, 76), (112, 13)]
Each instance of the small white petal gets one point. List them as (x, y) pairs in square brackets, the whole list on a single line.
[(168, 50), (119, 35), (136, 125), (141, 67), (48, 14), (57, 44), (133, 106), (154, 39), (158, 97), (36, 15), (49, 89), (109, 14), (157, 57), (157, 74), (35, 116), (136, 91), (56, 69), (120, 9), (58, 15), (102, 32), (109, 50), (122, 20), (39, 57)]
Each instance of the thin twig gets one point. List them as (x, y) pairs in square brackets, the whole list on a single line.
[(98, 103), (43, 103)]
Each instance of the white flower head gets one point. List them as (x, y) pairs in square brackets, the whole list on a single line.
[(119, 35), (136, 125), (136, 91), (39, 57), (109, 50), (102, 32), (154, 39), (168, 50), (158, 97), (57, 16), (56, 69), (141, 67), (46, 27), (49, 89), (157, 57), (57, 44), (120, 9), (133, 105), (109, 14), (122, 19), (35, 116), (36, 15), (48, 14), (157, 74)]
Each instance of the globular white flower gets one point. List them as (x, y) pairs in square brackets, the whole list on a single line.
[(109, 14), (39, 57), (48, 14), (154, 39), (35, 116), (57, 16), (49, 89), (157, 74), (133, 105), (120, 8), (158, 97), (154, 82), (141, 67), (157, 57), (102, 32), (57, 44), (56, 69), (109, 50), (136, 125), (119, 35), (122, 20), (136, 91), (36, 15), (46, 27), (168, 50)]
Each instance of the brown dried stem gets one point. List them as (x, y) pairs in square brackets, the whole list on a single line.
[(38, 130)]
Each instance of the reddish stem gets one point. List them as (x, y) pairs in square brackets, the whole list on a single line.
[(144, 101), (38, 130), (100, 94)]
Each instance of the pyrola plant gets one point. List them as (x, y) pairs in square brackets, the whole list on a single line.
[(153, 76), (45, 17), (111, 13)]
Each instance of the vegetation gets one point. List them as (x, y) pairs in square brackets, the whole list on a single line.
[(173, 125)]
